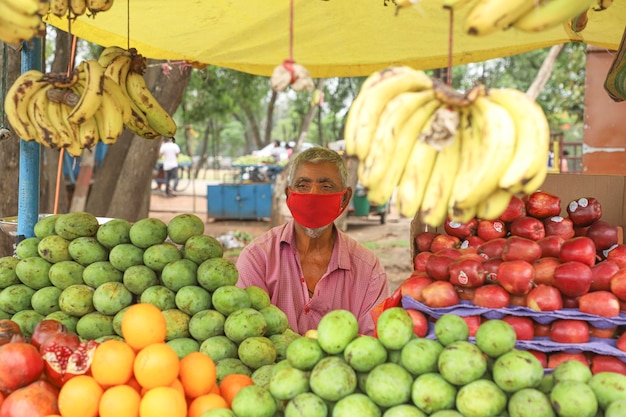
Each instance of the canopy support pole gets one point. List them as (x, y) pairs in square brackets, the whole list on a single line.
[(28, 198)]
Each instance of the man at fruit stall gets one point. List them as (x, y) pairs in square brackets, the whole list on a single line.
[(308, 266)]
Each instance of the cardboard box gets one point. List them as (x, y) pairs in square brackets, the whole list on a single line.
[(609, 190)]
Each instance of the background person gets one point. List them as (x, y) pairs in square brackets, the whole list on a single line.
[(169, 152), (308, 266)]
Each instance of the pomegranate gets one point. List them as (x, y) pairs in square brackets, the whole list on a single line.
[(44, 330), (8, 329), (37, 399), (64, 361), (20, 364)]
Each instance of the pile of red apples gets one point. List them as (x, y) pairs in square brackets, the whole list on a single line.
[(531, 256)]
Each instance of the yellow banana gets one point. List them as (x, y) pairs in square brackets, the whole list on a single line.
[(109, 53), (14, 34), (394, 116), (494, 125), (551, 13), (537, 181), (78, 7), (46, 133), (488, 16), (532, 135), (43, 7), (96, 6), (59, 8), (66, 133), (73, 143), (18, 18), (117, 94), (88, 134), (404, 139), (416, 174), (91, 96), (26, 7), (494, 205), (109, 119), (17, 100), (434, 207), (376, 91), (157, 117)]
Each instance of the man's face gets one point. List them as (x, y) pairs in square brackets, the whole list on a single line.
[(318, 178)]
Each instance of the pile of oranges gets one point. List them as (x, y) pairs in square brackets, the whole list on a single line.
[(143, 376)]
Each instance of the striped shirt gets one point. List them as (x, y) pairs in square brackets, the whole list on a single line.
[(354, 280)]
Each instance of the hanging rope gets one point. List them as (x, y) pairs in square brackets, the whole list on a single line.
[(5, 133)]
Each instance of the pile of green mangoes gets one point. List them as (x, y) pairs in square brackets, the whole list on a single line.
[(85, 275), (333, 371)]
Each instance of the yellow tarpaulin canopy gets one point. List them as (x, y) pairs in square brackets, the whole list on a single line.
[(331, 38)]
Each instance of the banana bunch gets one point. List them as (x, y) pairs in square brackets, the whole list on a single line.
[(147, 118), (72, 112), (20, 20), (75, 8), (488, 16), (448, 154)]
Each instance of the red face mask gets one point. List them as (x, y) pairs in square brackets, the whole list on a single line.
[(315, 210)]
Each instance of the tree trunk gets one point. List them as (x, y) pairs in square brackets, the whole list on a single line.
[(278, 196), (122, 186), (544, 72)]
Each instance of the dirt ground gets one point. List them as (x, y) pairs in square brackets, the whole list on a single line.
[(390, 241)]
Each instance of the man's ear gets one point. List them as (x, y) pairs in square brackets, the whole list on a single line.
[(347, 197), (287, 191)]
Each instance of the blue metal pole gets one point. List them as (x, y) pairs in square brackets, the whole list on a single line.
[(28, 198)]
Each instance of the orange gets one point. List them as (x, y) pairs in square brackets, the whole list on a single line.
[(156, 365), (112, 363), (163, 402), (205, 402), (197, 374), (120, 401), (79, 397), (231, 384), (142, 325)]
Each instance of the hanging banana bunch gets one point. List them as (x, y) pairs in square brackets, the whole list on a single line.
[(76, 8), (20, 20), (447, 153)]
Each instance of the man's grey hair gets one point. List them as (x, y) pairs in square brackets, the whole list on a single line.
[(318, 154)]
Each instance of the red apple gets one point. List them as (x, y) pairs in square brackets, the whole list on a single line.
[(516, 277), (544, 298), (437, 267), (541, 204), (572, 278), (544, 270), (515, 209), (419, 262), (600, 303), (580, 249), (569, 331), (529, 227), (461, 230), (617, 255), (524, 326), (605, 333), (473, 323), (467, 273), (521, 248), (542, 357), (620, 343), (492, 248), (603, 234), (607, 363), (557, 358), (559, 226), (584, 211), (570, 302), (469, 255), (551, 246), (420, 324), (491, 269), (423, 240), (442, 241), (439, 294), (413, 285), (453, 253), (491, 296), (542, 329), (465, 293), (618, 284), (491, 229), (472, 242)]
